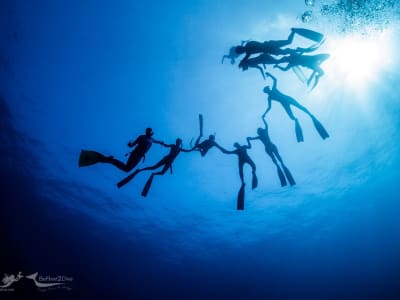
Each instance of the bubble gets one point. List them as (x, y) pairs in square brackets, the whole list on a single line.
[(306, 16), (309, 2)]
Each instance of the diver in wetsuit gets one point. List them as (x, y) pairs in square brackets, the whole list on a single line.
[(165, 162), (286, 101), (142, 143), (205, 145), (241, 152), (312, 62), (272, 151), (243, 158)]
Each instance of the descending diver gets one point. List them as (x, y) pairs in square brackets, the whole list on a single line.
[(165, 162), (312, 62), (241, 152), (286, 101), (272, 151), (142, 143), (205, 145)]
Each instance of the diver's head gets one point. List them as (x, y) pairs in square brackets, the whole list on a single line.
[(260, 131), (149, 131), (239, 49), (267, 89), (178, 142), (236, 145), (211, 137)]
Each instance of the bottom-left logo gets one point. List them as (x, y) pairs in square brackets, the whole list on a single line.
[(43, 283)]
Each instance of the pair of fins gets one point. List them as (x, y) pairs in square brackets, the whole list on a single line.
[(285, 174), (128, 178), (318, 126)]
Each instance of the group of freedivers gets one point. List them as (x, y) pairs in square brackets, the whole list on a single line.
[(268, 51)]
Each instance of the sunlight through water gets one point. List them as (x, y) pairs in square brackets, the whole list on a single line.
[(358, 59)]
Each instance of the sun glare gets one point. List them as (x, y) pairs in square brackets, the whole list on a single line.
[(358, 59)]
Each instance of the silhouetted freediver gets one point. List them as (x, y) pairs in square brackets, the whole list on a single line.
[(243, 157), (272, 151), (142, 143), (273, 47), (165, 162), (286, 101), (267, 59), (312, 62), (205, 145), (255, 62)]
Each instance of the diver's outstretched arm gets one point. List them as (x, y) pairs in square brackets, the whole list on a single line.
[(265, 122), (274, 80), (248, 146), (223, 150), (261, 70), (158, 142), (187, 150), (288, 66), (253, 138), (134, 143), (269, 106)]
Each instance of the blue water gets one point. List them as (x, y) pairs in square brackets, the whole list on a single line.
[(94, 74)]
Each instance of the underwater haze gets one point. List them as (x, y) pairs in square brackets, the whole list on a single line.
[(95, 74)]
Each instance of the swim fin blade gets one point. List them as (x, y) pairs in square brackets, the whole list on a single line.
[(88, 158), (201, 124), (147, 186), (300, 74), (288, 175), (240, 199), (309, 34), (254, 182), (299, 132), (127, 179), (282, 177), (321, 130)]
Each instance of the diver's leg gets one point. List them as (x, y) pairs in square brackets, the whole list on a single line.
[(254, 181), (298, 130), (241, 165)]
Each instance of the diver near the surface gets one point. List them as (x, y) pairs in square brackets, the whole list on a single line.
[(286, 101), (273, 47), (205, 145), (142, 143), (272, 151), (165, 162), (312, 62), (255, 62), (243, 157)]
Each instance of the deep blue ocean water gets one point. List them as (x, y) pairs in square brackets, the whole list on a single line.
[(94, 74)]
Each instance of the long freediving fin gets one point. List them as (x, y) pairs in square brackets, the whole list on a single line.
[(127, 179), (240, 199), (299, 132), (201, 124), (254, 181), (300, 74), (281, 177), (89, 157), (321, 130), (309, 34), (288, 175), (147, 186)]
